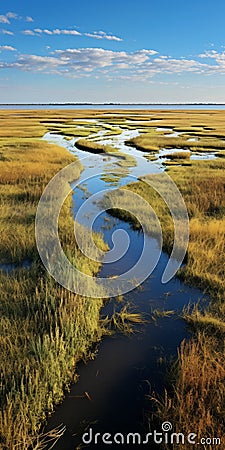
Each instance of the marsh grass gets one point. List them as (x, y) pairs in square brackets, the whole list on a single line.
[(125, 321), (196, 404), (93, 147), (158, 313), (28, 167), (45, 329), (220, 154), (206, 126), (124, 160), (198, 398), (148, 142), (113, 178), (208, 320), (177, 155)]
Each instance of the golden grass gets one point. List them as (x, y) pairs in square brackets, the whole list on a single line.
[(93, 147), (205, 320), (197, 402), (207, 126), (124, 160), (44, 333), (177, 155), (45, 329), (125, 320), (148, 142), (24, 172), (198, 399)]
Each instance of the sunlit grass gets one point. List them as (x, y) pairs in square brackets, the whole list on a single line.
[(94, 147), (45, 329), (197, 401), (198, 398), (125, 321), (177, 155), (149, 142)]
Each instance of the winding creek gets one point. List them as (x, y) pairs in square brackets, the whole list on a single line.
[(112, 389)]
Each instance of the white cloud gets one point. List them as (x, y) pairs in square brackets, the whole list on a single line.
[(4, 19), (219, 60), (29, 33), (95, 34), (9, 15), (47, 31), (148, 52), (12, 15), (140, 65), (56, 31), (103, 35), (213, 54), (34, 63), (7, 47), (83, 61), (94, 58), (71, 32), (10, 33), (208, 54)]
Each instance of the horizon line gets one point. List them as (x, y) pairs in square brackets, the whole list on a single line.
[(111, 103)]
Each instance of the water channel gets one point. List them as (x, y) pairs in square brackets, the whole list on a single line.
[(111, 394)]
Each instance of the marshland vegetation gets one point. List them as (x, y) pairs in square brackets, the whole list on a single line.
[(45, 329), (197, 400)]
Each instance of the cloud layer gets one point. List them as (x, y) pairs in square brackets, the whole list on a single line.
[(39, 31), (6, 18), (218, 57), (56, 31), (103, 35), (142, 64)]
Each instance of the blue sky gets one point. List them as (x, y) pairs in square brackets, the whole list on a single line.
[(104, 51)]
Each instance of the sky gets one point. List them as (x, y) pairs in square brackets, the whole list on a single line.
[(126, 51)]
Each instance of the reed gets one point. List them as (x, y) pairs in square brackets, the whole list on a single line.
[(196, 403)]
